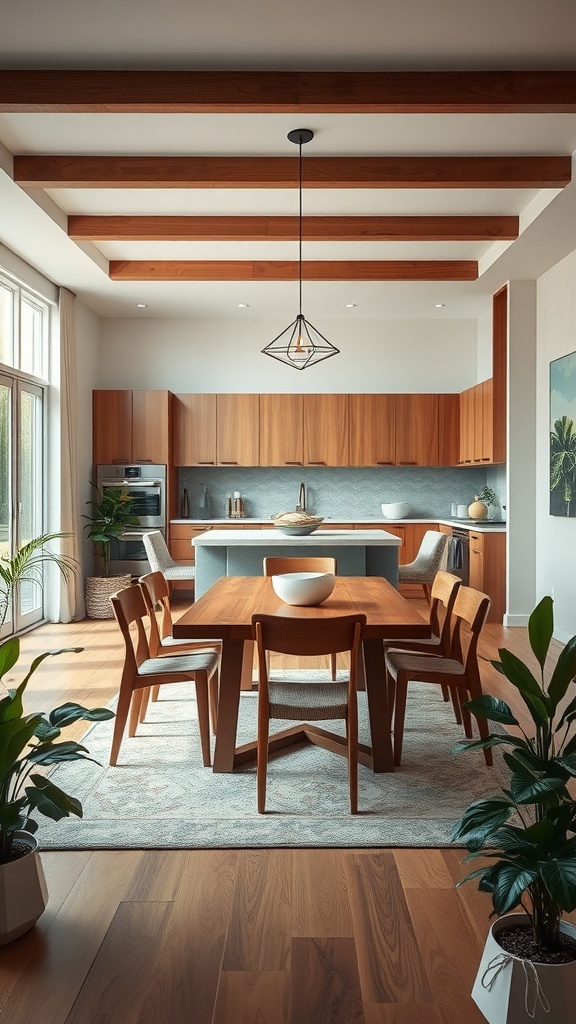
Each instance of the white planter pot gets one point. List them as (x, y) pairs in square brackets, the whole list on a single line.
[(98, 591), (23, 892), (508, 990)]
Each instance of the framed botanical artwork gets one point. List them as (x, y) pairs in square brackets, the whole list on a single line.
[(563, 436)]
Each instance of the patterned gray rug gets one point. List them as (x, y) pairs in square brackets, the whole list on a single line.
[(160, 796)]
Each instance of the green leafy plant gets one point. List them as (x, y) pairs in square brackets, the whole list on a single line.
[(27, 566), (528, 833), (488, 496), (111, 513), (29, 742)]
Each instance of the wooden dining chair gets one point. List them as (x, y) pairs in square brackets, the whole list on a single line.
[(443, 595), (274, 565), (307, 701), (141, 671), (459, 671), (161, 642)]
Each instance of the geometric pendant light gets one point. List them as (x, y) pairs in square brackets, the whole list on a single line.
[(300, 344)]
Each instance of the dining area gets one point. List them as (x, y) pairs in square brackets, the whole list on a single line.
[(250, 647)]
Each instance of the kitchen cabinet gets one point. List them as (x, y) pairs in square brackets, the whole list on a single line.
[(416, 430), (477, 424), (488, 570), (372, 430), (304, 430), (131, 426), (216, 430)]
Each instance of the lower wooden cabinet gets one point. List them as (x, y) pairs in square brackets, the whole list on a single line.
[(488, 570)]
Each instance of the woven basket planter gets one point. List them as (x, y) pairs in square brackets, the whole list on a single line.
[(98, 591)]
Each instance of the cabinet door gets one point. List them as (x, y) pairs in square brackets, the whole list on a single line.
[(372, 430), (112, 427), (485, 444), (416, 430), (448, 430), (238, 430), (467, 427), (151, 434), (476, 574), (326, 430), (281, 430), (194, 430)]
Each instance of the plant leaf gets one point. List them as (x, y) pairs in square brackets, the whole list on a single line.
[(560, 879), (563, 673), (50, 800), (541, 628), (492, 708), (510, 885), (9, 653), (68, 713)]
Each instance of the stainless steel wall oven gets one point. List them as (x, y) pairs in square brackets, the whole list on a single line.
[(146, 485)]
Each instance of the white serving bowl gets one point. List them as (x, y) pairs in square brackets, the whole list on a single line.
[(303, 588), (396, 509)]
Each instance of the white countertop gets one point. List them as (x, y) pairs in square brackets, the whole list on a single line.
[(274, 538), (481, 525)]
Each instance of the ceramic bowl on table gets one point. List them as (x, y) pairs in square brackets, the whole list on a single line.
[(396, 509), (303, 588)]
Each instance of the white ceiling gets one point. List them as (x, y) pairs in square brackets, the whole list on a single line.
[(266, 34)]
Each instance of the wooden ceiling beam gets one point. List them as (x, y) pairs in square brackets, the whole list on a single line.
[(282, 172), (312, 270), (413, 92), (264, 229)]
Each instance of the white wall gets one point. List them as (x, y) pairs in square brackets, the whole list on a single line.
[(556, 536), (485, 345), (225, 356)]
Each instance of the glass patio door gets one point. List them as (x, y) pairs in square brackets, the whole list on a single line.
[(21, 489)]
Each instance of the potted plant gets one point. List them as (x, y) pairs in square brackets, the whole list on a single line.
[(27, 566), (490, 499), (526, 837), (111, 514), (28, 744)]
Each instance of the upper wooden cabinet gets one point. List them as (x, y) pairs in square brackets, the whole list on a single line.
[(281, 430), (416, 430), (131, 426), (480, 425), (216, 430), (326, 430), (304, 430), (372, 430)]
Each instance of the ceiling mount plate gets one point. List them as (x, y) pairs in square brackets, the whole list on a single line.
[(300, 136)]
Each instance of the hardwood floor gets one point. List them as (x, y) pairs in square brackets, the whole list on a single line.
[(291, 936)]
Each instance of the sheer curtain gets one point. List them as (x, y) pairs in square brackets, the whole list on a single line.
[(70, 596)]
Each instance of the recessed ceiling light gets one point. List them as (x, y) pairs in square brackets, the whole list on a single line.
[(350, 305), (141, 305), (243, 305), (439, 305)]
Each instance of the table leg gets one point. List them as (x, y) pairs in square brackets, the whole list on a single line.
[(383, 760), (228, 704)]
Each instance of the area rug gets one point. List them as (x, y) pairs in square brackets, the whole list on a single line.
[(160, 796)]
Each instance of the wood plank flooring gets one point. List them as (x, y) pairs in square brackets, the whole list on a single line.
[(291, 936)]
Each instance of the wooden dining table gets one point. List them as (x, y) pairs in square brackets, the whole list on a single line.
[(224, 613)]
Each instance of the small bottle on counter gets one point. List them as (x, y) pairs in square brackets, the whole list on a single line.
[(185, 505)]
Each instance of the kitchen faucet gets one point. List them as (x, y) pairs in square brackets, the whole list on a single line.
[(301, 506)]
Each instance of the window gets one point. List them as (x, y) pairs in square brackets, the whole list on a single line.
[(24, 351)]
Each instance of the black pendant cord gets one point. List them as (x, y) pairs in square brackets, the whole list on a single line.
[(300, 226)]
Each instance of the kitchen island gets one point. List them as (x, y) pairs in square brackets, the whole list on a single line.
[(241, 552)]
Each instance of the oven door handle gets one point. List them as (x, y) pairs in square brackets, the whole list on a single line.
[(130, 483)]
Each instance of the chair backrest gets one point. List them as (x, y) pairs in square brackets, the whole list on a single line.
[(310, 637), (431, 549), (273, 565), (130, 608), (157, 598), (157, 551), (443, 595), (469, 614)]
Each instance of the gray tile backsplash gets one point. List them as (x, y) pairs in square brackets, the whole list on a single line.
[(344, 493)]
